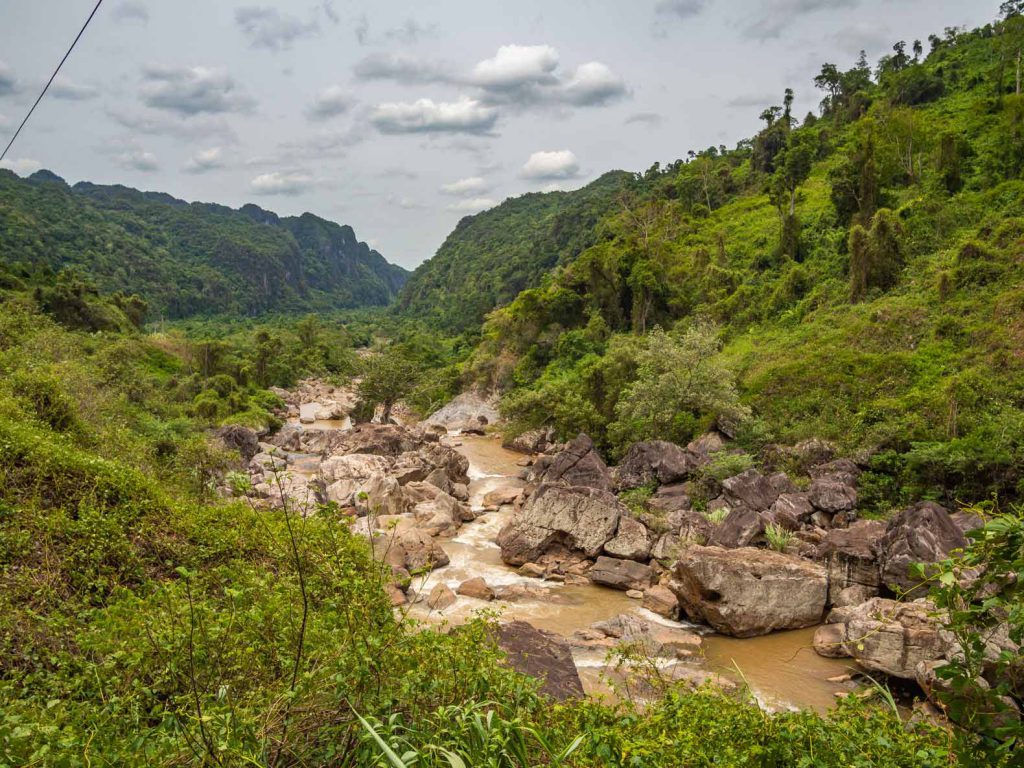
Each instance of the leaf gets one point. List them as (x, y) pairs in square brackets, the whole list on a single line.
[(389, 753)]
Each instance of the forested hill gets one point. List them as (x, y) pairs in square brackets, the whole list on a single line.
[(188, 259), (492, 256)]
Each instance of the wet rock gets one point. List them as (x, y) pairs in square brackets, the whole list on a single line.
[(541, 655), (532, 570), (750, 489), (580, 519), (476, 588), (851, 557), (654, 462), (662, 601), (514, 593), (922, 533), (741, 528), (632, 540), (441, 516), (499, 497), (747, 592), (241, 439), (460, 491), (441, 597), (378, 439), (634, 594), (464, 409), (578, 464), (532, 441), (416, 551), (832, 496), (395, 595), (620, 574), (893, 637), (651, 638)]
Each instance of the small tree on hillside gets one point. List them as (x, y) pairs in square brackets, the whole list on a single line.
[(875, 255), (791, 171), (387, 377)]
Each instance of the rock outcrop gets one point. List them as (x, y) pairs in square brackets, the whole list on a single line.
[(542, 655), (922, 533), (621, 574), (577, 464), (851, 556), (654, 462), (465, 411)]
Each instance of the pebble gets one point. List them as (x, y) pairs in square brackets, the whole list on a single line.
[(635, 594)]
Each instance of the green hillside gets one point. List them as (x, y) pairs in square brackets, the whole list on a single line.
[(860, 271), (188, 259)]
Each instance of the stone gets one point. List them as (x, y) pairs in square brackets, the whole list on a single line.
[(377, 439), (843, 471), (395, 595), (620, 574), (706, 444), (828, 641), (967, 521), (463, 409), (750, 489), (499, 497), (922, 533), (791, 508), (241, 439), (632, 540), (747, 592), (578, 464), (634, 594), (532, 570), (670, 498), (781, 483), (580, 519), (542, 655), (855, 594), (416, 551), (893, 637), (814, 451), (851, 557), (741, 527), (441, 516), (476, 588), (832, 496), (532, 441), (654, 462), (441, 597), (650, 637), (662, 601)]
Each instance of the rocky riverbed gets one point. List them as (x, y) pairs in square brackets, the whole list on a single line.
[(766, 575)]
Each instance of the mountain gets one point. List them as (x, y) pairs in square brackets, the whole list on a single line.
[(188, 259), (492, 256)]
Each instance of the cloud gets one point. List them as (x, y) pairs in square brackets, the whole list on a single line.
[(405, 203), (8, 81), (593, 84), (282, 183), (327, 6), (680, 9), (473, 185), (205, 160), (410, 32), (861, 36), (472, 205), (516, 66), (22, 166), (65, 88), (330, 102), (427, 116), (191, 128), (547, 166), (361, 29), (265, 27), (645, 118), (324, 143), (130, 10), (192, 90), (752, 101), (777, 15), (401, 68), (138, 160), (398, 173)]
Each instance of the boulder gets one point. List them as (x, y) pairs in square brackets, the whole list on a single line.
[(781, 483), (706, 444), (812, 452), (378, 439), (843, 471), (750, 489), (580, 519), (662, 601), (893, 637), (791, 510), (441, 597), (741, 528), (747, 592), (499, 497), (832, 496), (670, 498), (441, 516), (476, 588), (416, 551), (577, 464), (922, 533), (632, 540), (654, 462), (828, 641), (356, 467), (621, 574), (650, 637), (241, 439), (532, 441), (542, 655), (851, 557), (467, 408)]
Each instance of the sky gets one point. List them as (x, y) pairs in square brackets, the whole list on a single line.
[(399, 118)]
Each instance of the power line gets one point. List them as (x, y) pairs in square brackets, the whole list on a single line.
[(48, 82)]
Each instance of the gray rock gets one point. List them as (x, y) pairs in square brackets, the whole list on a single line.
[(621, 574), (852, 558), (241, 439), (541, 655), (577, 464), (654, 462), (741, 528), (532, 441), (893, 637), (632, 540), (832, 496), (751, 489), (922, 533), (466, 408), (662, 601)]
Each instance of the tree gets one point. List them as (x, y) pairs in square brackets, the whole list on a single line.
[(791, 171), (855, 187), (831, 81), (875, 255), (949, 163), (387, 377)]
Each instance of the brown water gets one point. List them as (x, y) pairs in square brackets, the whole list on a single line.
[(782, 669)]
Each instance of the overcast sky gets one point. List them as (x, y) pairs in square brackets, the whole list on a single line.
[(398, 118)]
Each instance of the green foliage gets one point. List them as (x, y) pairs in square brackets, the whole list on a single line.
[(386, 377), (778, 537)]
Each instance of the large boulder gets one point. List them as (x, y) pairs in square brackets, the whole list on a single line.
[(542, 655), (621, 574), (790, 510), (655, 462), (532, 441), (241, 439), (662, 601), (671, 498), (579, 519), (414, 550), (577, 464), (747, 592), (465, 410), (851, 557), (922, 533), (632, 540), (419, 465), (707, 444), (378, 439), (741, 528), (831, 495), (442, 515), (750, 489)]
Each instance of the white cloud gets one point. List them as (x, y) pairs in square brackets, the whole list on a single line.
[(138, 160), (559, 164), (401, 68), (516, 66), (472, 205), (265, 27), (473, 185), (777, 15), (405, 203), (282, 183), (65, 88), (205, 160), (593, 84), (427, 116), (330, 102), (192, 90), (22, 166), (190, 127)]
